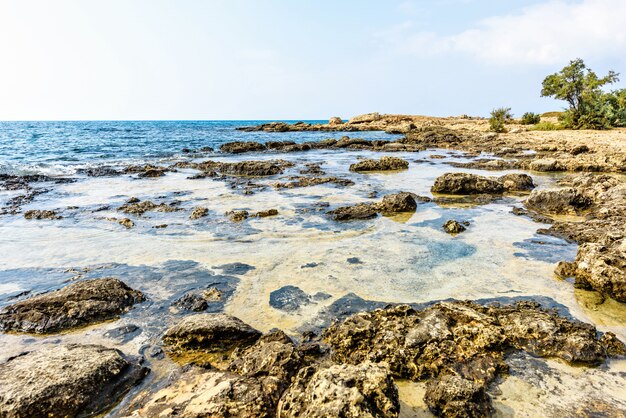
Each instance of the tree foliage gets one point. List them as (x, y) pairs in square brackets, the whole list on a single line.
[(530, 118), (590, 107)]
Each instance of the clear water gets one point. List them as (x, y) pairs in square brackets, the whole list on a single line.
[(407, 258)]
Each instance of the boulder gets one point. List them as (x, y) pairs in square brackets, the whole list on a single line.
[(237, 215), (78, 304), (239, 147), (341, 390), (289, 299), (198, 212), (517, 182), (568, 201), (397, 203), (546, 164), (213, 333), (335, 120), (466, 184), (199, 393), (66, 381), (454, 227), (345, 142), (602, 266), (357, 212), (384, 164)]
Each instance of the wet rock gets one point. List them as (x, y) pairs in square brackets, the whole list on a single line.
[(565, 269), (454, 396), (199, 212), (354, 260), (345, 142), (567, 201), (517, 182), (235, 268), (237, 215), (147, 171), (252, 168), (199, 393), (289, 299), (240, 147), (602, 266), (312, 181), (364, 390), (139, 208), (74, 305), (125, 222), (161, 226), (41, 214), (466, 184), (194, 301), (279, 144), (124, 333), (211, 333), (266, 213), (102, 171), (613, 346), (357, 212), (546, 164), (454, 227), (397, 203), (66, 380), (384, 164), (313, 169)]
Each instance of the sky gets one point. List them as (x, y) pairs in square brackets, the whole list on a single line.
[(297, 59)]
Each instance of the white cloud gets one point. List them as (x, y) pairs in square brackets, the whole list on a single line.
[(547, 33)]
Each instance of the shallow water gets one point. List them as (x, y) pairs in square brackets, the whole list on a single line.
[(402, 259)]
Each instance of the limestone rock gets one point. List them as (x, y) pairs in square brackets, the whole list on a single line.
[(558, 201), (384, 164), (466, 184)]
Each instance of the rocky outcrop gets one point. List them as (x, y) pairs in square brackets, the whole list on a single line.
[(78, 304), (558, 202), (391, 204), (384, 164), (602, 266), (210, 333), (335, 120), (459, 347), (345, 390), (198, 212), (198, 301), (453, 227), (137, 208), (240, 147), (252, 168), (41, 214), (296, 182), (472, 184), (147, 170), (517, 182), (289, 298), (546, 164), (66, 381)]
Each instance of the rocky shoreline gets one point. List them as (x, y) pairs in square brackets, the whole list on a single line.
[(459, 350)]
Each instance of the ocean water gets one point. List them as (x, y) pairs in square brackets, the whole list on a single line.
[(402, 259)]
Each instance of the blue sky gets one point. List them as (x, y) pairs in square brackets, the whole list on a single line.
[(305, 59)]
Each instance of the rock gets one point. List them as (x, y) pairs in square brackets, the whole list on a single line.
[(125, 222), (253, 168), (274, 359), (346, 142), (211, 333), (289, 299), (397, 203), (312, 181), (351, 391), (558, 202), (454, 396), (579, 149), (41, 214), (517, 182), (237, 215), (200, 393), (466, 184), (139, 208), (192, 301), (199, 212), (335, 120), (357, 212), (453, 227), (613, 346), (235, 268), (565, 269), (240, 147), (602, 266), (65, 381), (147, 170), (546, 164), (124, 333), (384, 164), (102, 171), (266, 213), (366, 118), (78, 304), (354, 260)]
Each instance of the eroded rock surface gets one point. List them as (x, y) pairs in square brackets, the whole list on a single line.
[(384, 164), (391, 204), (66, 381), (75, 305)]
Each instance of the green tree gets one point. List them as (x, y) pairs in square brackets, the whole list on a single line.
[(581, 88), (498, 119)]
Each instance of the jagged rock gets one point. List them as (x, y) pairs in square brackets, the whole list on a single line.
[(454, 396), (565, 269), (253, 168), (466, 184), (397, 203), (41, 214), (74, 305), (454, 227), (139, 208), (351, 391), (208, 332), (198, 213), (200, 393), (602, 266), (356, 212), (558, 201), (289, 299), (238, 215), (384, 164), (240, 147), (517, 182), (345, 142), (391, 204), (66, 381), (312, 181), (266, 213), (102, 171), (147, 170)]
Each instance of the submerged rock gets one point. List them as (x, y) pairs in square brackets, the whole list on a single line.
[(240, 147), (41, 214), (266, 213), (198, 301), (312, 181), (289, 298), (341, 390), (384, 164), (66, 381), (237, 215), (75, 305), (391, 204), (199, 212), (252, 168)]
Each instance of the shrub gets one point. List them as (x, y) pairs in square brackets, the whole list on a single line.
[(546, 126), (530, 118), (499, 117)]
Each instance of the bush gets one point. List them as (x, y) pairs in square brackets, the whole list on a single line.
[(499, 117), (546, 126), (530, 118)]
